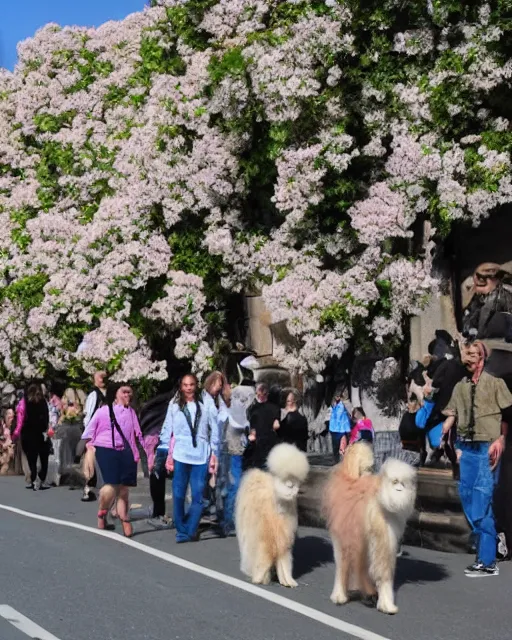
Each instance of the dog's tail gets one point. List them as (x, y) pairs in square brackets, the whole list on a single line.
[(357, 462)]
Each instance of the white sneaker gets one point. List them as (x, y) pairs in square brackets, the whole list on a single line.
[(502, 547)]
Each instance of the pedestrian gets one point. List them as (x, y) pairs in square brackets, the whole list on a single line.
[(264, 419), (114, 431), (33, 433), (339, 427), (70, 429), (476, 408), (158, 473), (413, 437), (232, 447), (213, 386), (362, 429), (503, 495), (194, 426), (6, 445), (293, 427), (21, 467), (95, 400)]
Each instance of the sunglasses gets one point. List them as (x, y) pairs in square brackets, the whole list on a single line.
[(481, 276)]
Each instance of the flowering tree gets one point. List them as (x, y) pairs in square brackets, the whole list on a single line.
[(153, 166)]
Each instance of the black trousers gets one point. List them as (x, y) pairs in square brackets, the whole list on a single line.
[(503, 497), (157, 484), (34, 448)]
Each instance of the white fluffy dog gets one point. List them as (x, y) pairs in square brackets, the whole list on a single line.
[(266, 515), (366, 516)]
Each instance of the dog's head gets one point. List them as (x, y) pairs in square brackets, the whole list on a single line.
[(397, 491), (290, 468)]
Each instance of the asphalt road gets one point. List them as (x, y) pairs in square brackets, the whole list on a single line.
[(79, 586)]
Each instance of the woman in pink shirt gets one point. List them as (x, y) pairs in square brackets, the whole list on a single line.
[(113, 432)]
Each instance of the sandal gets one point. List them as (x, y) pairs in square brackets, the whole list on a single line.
[(102, 519), (127, 528), (103, 523)]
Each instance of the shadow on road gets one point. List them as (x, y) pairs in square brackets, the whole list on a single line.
[(309, 553), (414, 571)]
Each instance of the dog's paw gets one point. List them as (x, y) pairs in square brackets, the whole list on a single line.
[(339, 598), (387, 607), (290, 583)]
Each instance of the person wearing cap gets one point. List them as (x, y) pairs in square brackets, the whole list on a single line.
[(488, 303)]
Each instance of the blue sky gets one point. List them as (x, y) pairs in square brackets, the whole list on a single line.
[(20, 19)]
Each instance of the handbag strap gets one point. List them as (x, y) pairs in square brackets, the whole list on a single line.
[(115, 425)]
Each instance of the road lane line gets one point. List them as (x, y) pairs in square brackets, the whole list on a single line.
[(330, 621), (23, 624)]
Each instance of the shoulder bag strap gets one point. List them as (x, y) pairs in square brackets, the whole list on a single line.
[(115, 425)]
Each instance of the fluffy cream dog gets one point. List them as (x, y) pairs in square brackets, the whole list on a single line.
[(266, 515), (366, 515)]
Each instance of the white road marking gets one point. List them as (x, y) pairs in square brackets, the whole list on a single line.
[(330, 621), (26, 626)]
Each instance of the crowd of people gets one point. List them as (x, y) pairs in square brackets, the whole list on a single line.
[(203, 438), (207, 437)]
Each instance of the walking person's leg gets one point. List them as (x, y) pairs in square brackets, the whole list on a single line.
[(88, 470), (25, 467), (108, 494), (123, 510), (484, 519), (198, 476), (468, 474), (506, 468), (336, 439), (157, 488), (44, 454), (235, 476), (31, 451), (180, 482), (501, 504)]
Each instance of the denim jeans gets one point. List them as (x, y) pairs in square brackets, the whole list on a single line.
[(235, 475), (476, 488), (185, 474), (336, 439)]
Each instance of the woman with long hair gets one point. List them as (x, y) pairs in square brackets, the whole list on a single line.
[(32, 429), (114, 431), (194, 426), (214, 390), (293, 426)]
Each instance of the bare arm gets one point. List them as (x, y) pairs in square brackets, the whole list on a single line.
[(448, 424)]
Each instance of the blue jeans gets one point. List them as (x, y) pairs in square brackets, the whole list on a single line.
[(185, 474), (235, 475), (336, 439), (476, 488)]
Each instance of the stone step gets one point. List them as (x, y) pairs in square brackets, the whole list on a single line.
[(438, 522)]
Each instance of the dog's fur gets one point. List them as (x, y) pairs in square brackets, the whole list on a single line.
[(366, 515), (266, 515)]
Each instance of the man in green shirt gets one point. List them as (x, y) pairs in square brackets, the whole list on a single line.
[(476, 408)]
